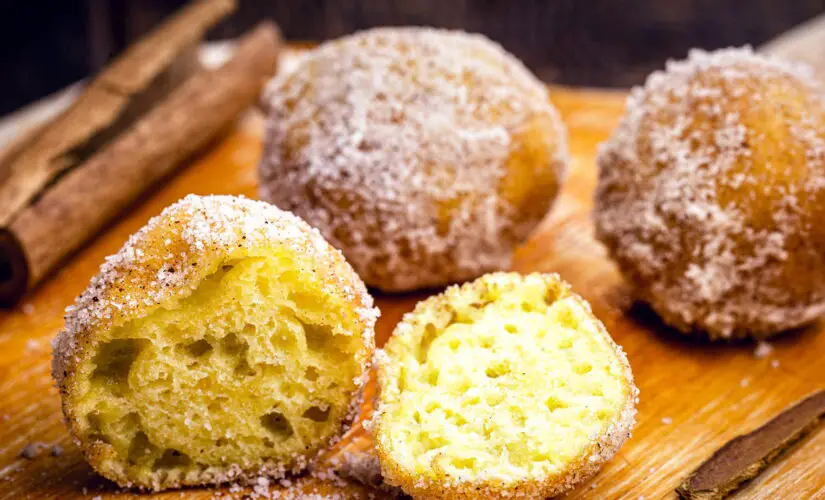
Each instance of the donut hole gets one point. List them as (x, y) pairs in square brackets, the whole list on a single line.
[(240, 365), (483, 150), (708, 177), (515, 355)]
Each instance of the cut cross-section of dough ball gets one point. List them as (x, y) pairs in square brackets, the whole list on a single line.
[(506, 386), (225, 340)]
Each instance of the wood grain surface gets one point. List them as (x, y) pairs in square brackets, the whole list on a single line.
[(694, 395)]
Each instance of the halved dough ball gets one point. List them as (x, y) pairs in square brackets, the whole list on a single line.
[(506, 386), (425, 155), (711, 194), (225, 340)]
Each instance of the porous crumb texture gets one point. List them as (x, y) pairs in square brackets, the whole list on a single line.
[(712, 191), (425, 155), (504, 387), (226, 340)]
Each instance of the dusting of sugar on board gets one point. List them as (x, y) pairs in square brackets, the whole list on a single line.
[(704, 224), (763, 350), (395, 142)]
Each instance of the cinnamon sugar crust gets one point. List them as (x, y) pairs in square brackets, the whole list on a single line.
[(711, 192), (425, 155), (188, 251)]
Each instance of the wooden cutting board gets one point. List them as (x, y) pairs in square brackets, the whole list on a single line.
[(694, 395)]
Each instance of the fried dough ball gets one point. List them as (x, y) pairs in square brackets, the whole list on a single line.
[(425, 155), (505, 387), (711, 194), (226, 340)]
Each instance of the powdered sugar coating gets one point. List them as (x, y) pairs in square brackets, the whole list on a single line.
[(710, 191), (168, 258), (425, 155)]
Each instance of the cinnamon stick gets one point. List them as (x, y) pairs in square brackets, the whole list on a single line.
[(109, 104), (744, 457), (88, 196), (16, 146)]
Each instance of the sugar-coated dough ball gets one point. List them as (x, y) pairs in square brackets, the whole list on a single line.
[(505, 387), (425, 155), (225, 341), (711, 194)]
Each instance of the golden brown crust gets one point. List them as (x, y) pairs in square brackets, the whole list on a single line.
[(588, 462), (422, 174), (165, 261)]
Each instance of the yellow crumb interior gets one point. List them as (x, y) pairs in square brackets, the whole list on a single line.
[(503, 383), (256, 364)]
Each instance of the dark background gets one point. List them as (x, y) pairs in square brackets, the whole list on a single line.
[(47, 44)]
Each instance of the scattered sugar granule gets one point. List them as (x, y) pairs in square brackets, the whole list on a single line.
[(775, 363), (27, 308), (763, 350), (31, 450), (745, 382), (667, 420), (261, 487), (97, 497), (32, 345), (84, 490)]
